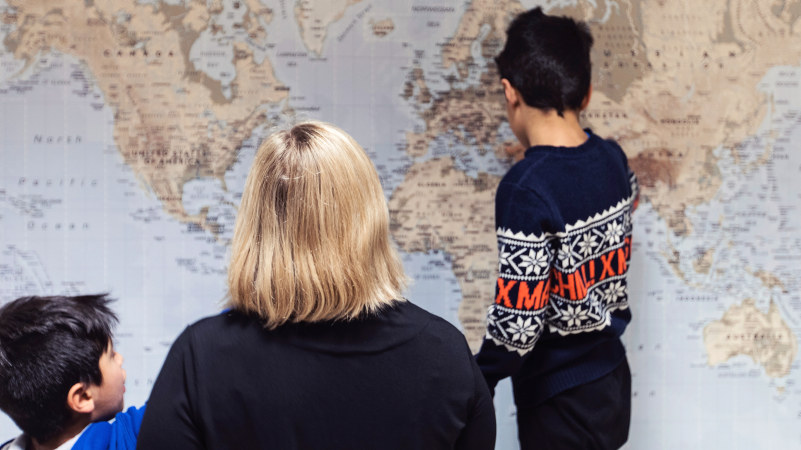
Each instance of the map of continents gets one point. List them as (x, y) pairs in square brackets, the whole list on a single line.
[(128, 128)]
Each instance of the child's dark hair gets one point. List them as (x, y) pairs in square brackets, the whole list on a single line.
[(47, 344), (547, 58)]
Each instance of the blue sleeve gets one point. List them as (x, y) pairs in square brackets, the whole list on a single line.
[(117, 435)]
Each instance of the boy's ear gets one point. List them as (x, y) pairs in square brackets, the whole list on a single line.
[(511, 94), (586, 100), (80, 399)]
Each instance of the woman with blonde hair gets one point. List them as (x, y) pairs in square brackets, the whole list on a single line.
[(318, 350)]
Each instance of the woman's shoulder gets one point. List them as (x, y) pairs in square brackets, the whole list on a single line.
[(433, 328), (218, 329), (224, 319), (433, 321)]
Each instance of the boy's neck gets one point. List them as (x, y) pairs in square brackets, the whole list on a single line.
[(549, 128), (69, 432)]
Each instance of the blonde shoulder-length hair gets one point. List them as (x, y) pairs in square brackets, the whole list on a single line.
[(311, 241)]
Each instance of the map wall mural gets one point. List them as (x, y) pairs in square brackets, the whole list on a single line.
[(127, 129)]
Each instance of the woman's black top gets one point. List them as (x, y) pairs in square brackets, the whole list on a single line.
[(400, 379)]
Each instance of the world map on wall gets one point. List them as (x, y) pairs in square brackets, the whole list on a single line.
[(127, 129)]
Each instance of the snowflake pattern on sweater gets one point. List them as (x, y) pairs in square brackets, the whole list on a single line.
[(570, 281)]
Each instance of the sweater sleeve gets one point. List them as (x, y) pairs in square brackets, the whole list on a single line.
[(169, 420), (518, 315)]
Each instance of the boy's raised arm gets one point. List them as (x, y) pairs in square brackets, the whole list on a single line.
[(518, 314)]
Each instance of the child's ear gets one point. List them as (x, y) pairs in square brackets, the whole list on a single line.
[(80, 399), (586, 100), (511, 94)]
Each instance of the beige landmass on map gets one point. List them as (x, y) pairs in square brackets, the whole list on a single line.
[(770, 280), (705, 60), (315, 16), (618, 51), (172, 123), (703, 260), (416, 87), (745, 330), (383, 27), (480, 13), (438, 207), (258, 15), (473, 115)]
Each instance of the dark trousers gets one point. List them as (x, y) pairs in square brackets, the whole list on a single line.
[(593, 416)]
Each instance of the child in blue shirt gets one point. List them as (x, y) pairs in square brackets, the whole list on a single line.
[(60, 377)]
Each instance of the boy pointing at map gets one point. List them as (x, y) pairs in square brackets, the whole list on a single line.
[(563, 222)]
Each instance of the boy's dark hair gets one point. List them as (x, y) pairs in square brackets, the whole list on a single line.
[(47, 344), (547, 59)]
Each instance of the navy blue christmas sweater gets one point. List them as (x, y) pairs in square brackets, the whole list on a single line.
[(563, 220)]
